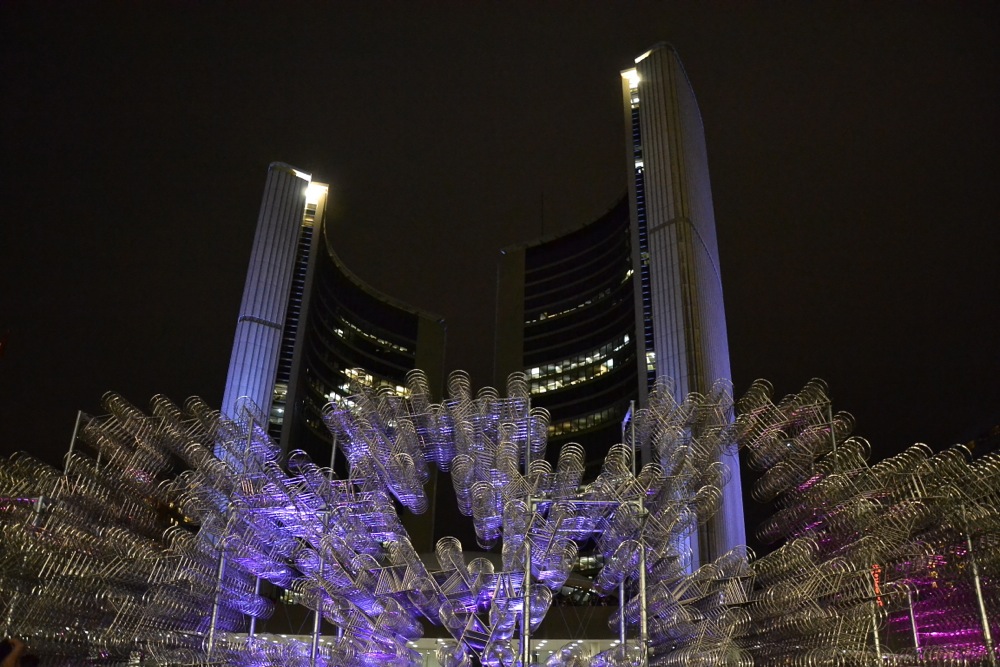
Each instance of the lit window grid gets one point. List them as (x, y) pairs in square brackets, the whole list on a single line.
[(597, 297), (585, 422), (344, 391), (578, 369), (355, 329)]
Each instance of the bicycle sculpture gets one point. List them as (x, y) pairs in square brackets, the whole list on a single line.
[(891, 564), (150, 546)]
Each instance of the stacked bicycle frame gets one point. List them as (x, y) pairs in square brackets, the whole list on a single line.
[(150, 546)]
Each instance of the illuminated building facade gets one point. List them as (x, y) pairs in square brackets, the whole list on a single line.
[(640, 286), (673, 227), (308, 327), (675, 251), (566, 318)]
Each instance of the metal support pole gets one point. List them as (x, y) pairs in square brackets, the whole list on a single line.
[(76, 429), (984, 619), (829, 421), (643, 615), (253, 619), (621, 614), (333, 457), (318, 614), (526, 594), (527, 440), (913, 622), (317, 619), (36, 514), (643, 621), (256, 587), (12, 606), (218, 599), (631, 428), (249, 438), (875, 635)]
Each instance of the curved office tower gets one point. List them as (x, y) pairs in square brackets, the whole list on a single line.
[(354, 333), (566, 318), (640, 286), (308, 327), (675, 251)]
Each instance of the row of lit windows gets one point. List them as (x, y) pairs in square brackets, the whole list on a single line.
[(583, 423), (370, 336), (278, 397), (600, 295), (335, 396), (546, 315), (326, 351), (575, 370), (359, 376), (363, 377)]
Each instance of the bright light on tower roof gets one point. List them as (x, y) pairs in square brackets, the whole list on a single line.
[(633, 78), (314, 191), (643, 56)]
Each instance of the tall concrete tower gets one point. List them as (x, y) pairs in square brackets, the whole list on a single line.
[(680, 314), (309, 328), (287, 214)]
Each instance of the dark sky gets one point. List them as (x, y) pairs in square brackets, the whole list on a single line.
[(852, 146)]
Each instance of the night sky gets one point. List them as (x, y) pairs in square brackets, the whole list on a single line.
[(852, 148)]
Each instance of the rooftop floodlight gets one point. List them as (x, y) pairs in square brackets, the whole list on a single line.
[(315, 192), (632, 76)]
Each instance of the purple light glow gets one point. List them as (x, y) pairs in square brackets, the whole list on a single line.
[(339, 548)]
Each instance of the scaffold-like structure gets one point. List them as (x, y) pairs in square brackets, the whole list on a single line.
[(150, 546)]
